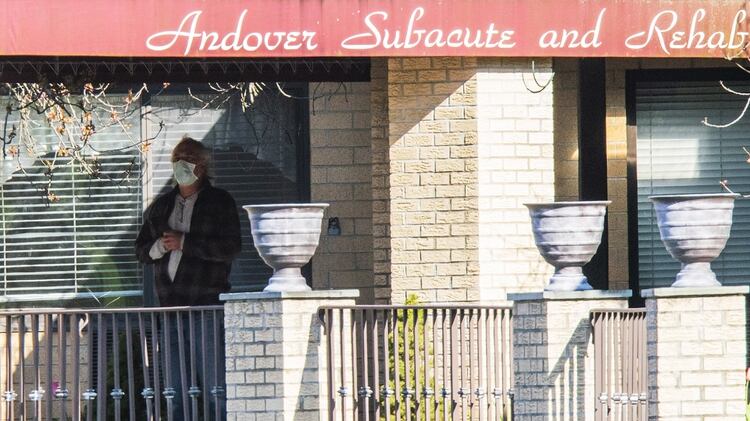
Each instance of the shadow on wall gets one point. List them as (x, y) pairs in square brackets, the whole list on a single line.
[(547, 387), (419, 91), (311, 393), (569, 375), (653, 338), (431, 133), (444, 115), (342, 141), (381, 185)]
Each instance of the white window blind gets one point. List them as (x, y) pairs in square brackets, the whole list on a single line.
[(82, 245), (677, 154), (254, 157)]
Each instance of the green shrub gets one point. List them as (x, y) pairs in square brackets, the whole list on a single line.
[(416, 402)]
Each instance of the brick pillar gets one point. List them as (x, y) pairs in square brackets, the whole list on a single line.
[(275, 367), (553, 354), (432, 160), (697, 352), (381, 205), (566, 86), (516, 166), (468, 144), (340, 169)]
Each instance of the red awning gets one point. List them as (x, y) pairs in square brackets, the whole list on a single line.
[(334, 28)]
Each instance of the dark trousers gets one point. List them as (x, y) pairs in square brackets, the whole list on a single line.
[(194, 366)]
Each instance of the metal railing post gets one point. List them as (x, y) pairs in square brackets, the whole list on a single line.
[(621, 364)]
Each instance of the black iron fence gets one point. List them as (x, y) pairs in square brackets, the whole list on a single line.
[(114, 364), (418, 362)]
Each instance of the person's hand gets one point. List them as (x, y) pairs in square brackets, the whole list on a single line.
[(172, 240)]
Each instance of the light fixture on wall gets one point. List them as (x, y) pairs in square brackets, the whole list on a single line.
[(334, 227)]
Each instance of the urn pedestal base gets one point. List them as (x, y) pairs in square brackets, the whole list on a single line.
[(568, 279), (697, 274), (287, 280)]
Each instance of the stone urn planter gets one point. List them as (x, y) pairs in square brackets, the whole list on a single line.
[(286, 236), (695, 228), (567, 235)]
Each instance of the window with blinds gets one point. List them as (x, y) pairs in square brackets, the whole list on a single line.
[(82, 245), (677, 154)]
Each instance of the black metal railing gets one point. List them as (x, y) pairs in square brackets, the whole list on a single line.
[(112, 364), (621, 364), (418, 362)]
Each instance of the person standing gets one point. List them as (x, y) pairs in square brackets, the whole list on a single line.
[(191, 235)]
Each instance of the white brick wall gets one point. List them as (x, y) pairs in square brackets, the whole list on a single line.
[(468, 145), (516, 166), (697, 357)]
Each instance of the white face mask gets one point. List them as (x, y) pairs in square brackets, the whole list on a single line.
[(184, 172)]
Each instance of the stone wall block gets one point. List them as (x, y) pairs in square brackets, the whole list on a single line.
[(694, 349)]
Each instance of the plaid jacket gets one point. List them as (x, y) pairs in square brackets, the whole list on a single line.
[(208, 249)]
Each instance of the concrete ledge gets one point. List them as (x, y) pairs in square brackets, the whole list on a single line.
[(694, 292), (571, 295), (298, 295)]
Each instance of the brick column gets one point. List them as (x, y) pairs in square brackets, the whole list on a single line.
[(340, 164), (275, 367), (553, 355), (381, 205), (515, 166), (432, 156), (467, 144), (697, 352)]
